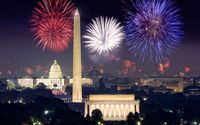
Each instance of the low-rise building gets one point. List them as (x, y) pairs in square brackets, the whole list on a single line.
[(25, 82), (114, 107), (85, 81)]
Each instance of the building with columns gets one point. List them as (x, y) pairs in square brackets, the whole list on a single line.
[(55, 81), (26, 82), (114, 107)]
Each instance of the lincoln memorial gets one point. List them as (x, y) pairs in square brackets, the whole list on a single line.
[(114, 107)]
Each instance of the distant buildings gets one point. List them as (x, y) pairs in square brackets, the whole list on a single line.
[(85, 81), (192, 90), (95, 75), (173, 83)]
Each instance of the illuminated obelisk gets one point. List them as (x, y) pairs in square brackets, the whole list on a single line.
[(77, 85)]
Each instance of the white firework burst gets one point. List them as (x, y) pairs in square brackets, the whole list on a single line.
[(103, 35)]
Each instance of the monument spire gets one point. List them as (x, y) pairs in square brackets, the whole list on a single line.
[(77, 76), (76, 12)]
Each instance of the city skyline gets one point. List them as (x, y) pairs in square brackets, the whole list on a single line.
[(99, 62), (18, 51)]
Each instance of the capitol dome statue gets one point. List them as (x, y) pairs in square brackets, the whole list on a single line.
[(55, 71)]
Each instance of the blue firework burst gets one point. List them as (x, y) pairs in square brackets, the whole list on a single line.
[(153, 29)]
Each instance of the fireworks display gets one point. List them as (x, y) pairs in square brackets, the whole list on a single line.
[(154, 29), (52, 24), (28, 71), (162, 67), (103, 35), (187, 69), (128, 65)]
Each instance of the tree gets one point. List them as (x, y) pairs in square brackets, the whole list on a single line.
[(130, 119), (88, 118), (11, 85), (55, 86), (97, 117), (67, 117), (160, 117), (41, 86), (133, 119), (137, 116)]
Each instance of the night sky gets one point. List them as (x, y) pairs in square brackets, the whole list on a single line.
[(19, 54)]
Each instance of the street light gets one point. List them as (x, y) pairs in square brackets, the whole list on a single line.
[(9, 102), (194, 123), (99, 123), (138, 123), (46, 112)]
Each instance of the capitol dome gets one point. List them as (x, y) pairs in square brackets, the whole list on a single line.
[(55, 71)]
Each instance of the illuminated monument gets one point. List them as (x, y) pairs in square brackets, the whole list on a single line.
[(113, 107), (55, 81), (55, 71), (77, 86)]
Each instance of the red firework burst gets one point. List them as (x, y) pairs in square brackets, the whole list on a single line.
[(51, 23), (187, 69)]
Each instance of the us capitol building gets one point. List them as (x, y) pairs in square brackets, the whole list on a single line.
[(54, 81), (114, 107)]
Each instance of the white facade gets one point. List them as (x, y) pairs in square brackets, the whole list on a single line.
[(25, 82), (54, 81), (113, 107), (55, 71), (77, 86), (85, 81)]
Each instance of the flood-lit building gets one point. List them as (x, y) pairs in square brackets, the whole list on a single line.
[(26, 82), (54, 81), (114, 107), (85, 81), (192, 90), (176, 84)]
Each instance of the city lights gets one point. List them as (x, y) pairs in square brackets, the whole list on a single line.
[(104, 62)]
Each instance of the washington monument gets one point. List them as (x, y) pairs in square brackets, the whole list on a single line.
[(77, 85)]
